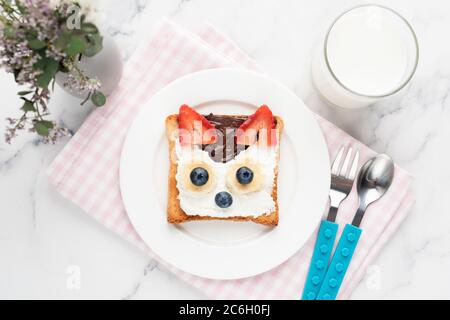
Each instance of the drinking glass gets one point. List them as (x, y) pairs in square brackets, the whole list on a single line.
[(370, 52)]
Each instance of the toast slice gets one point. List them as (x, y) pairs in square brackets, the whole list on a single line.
[(176, 215)]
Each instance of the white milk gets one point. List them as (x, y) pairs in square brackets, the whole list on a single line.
[(372, 53)]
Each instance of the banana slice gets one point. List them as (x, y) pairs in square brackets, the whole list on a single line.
[(184, 177), (254, 186)]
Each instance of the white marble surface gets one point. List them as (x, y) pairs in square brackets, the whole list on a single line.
[(42, 235)]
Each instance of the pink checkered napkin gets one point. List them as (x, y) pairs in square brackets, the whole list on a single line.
[(87, 170)]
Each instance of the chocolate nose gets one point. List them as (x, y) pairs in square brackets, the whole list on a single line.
[(224, 199)]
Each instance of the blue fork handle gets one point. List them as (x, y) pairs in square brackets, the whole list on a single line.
[(340, 262), (320, 259)]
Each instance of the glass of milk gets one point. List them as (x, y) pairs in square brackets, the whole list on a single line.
[(370, 52)]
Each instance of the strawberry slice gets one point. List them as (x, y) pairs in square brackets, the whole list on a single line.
[(260, 127), (194, 128)]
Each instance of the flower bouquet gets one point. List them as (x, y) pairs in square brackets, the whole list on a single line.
[(38, 39)]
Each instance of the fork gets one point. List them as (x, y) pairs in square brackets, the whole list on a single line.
[(342, 179)]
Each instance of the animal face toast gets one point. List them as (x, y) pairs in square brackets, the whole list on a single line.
[(223, 167)]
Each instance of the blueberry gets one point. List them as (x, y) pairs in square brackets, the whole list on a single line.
[(199, 177), (224, 199), (244, 175)]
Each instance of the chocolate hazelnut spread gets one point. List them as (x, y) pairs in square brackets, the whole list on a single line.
[(225, 149)]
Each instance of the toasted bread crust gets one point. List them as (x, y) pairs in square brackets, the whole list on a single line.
[(176, 215)]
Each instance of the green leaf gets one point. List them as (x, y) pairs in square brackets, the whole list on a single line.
[(24, 93), (89, 28), (43, 80), (16, 73), (42, 52), (95, 44), (98, 98), (52, 67), (63, 41), (9, 32), (43, 127), (36, 44), (49, 69), (28, 106), (40, 64), (21, 8), (76, 45)]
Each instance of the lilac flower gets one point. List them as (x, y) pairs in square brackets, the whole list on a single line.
[(35, 44), (55, 134), (78, 81)]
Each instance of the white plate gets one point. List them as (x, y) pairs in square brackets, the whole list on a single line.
[(217, 249)]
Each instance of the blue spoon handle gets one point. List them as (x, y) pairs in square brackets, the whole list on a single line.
[(320, 259), (340, 262)]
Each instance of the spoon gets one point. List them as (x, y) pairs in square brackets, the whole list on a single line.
[(374, 179)]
